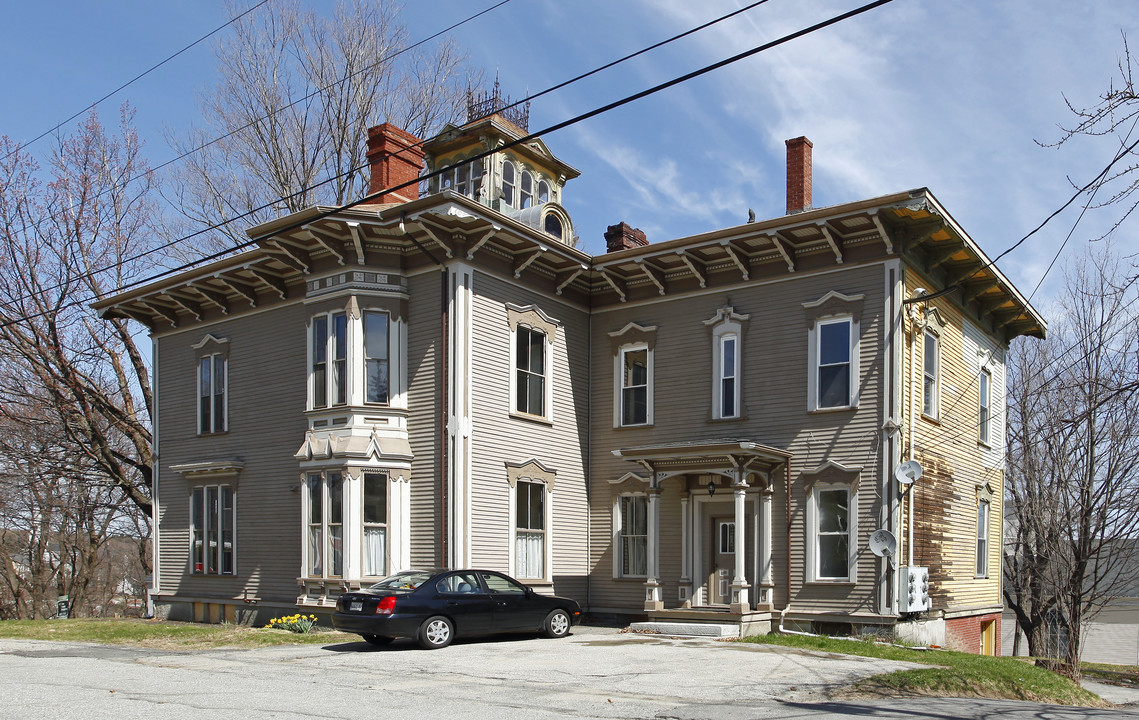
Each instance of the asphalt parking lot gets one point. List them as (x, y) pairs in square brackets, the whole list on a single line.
[(595, 672)]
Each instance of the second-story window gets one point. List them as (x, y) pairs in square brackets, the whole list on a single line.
[(834, 351), (530, 366), (376, 356), (329, 360), (635, 385), (985, 408), (931, 362), (212, 372)]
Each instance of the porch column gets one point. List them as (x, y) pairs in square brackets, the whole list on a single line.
[(653, 598), (766, 586), (685, 551), (740, 603)]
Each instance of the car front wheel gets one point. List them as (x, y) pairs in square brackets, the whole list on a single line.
[(557, 624), (377, 639), (436, 632)]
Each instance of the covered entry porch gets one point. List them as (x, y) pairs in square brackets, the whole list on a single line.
[(719, 495)]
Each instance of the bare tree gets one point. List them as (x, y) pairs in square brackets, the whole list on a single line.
[(1114, 116), (285, 128), (1072, 490), (73, 386)]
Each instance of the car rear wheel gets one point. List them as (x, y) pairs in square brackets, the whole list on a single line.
[(436, 632), (378, 639), (557, 624)]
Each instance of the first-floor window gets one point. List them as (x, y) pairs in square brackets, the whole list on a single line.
[(325, 520), (212, 529), (375, 524), (832, 533), (982, 538), (634, 535), (530, 530)]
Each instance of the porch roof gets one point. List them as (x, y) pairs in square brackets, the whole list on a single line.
[(706, 455)]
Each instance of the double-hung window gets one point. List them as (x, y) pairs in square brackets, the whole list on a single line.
[(526, 196), (376, 328), (834, 363), (633, 532), (509, 181), (530, 530), (375, 524), (982, 538), (530, 371), (325, 518), (931, 361), (830, 521), (635, 385), (329, 366), (729, 397), (985, 388), (212, 398), (212, 530)]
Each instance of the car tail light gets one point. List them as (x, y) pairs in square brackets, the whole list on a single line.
[(386, 606)]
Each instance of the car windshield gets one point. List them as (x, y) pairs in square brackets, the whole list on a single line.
[(406, 580)]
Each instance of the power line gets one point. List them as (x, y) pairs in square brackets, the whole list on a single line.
[(141, 75), (525, 139)]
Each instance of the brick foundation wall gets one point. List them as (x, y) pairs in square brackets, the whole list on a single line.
[(964, 633)]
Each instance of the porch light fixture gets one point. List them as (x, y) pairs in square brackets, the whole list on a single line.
[(711, 488)]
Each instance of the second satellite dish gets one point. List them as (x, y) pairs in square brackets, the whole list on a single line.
[(908, 472), (883, 543)]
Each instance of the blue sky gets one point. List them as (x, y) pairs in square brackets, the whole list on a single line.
[(952, 96)]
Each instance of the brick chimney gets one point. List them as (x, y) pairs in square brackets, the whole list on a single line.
[(798, 175), (396, 157), (623, 237)]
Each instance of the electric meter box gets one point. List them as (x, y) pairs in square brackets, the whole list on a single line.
[(913, 595)]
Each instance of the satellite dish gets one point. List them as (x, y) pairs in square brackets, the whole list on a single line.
[(907, 472), (883, 543)]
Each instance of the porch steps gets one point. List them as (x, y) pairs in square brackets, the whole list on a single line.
[(687, 629)]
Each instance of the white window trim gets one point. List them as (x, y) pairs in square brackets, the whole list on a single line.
[(813, 537), (364, 524), (548, 385), (813, 340), (547, 520), (325, 537), (985, 402), (982, 556), (225, 394), (619, 384), (618, 570), (204, 488), (934, 412)]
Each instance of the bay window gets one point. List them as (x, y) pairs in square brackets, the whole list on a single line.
[(376, 328), (325, 520), (375, 524)]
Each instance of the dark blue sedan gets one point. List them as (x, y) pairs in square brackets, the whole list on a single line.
[(433, 606)]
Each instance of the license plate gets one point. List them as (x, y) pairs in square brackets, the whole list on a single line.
[(356, 607)]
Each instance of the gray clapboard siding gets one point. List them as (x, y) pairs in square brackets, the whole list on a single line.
[(424, 373)]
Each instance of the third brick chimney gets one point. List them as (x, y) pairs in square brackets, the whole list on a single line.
[(798, 175), (395, 157)]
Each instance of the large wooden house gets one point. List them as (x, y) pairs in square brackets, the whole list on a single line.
[(705, 430)]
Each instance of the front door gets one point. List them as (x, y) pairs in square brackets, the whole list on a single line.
[(723, 546)]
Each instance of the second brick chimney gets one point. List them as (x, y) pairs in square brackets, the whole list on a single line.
[(395, 157), (623, 237), (798, 174)]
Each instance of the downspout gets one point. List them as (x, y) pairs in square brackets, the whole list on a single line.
[(787, 564), (589, 451), (918, 293)]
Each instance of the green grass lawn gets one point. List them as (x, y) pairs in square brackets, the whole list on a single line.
[(164, 635), (954, 674)]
